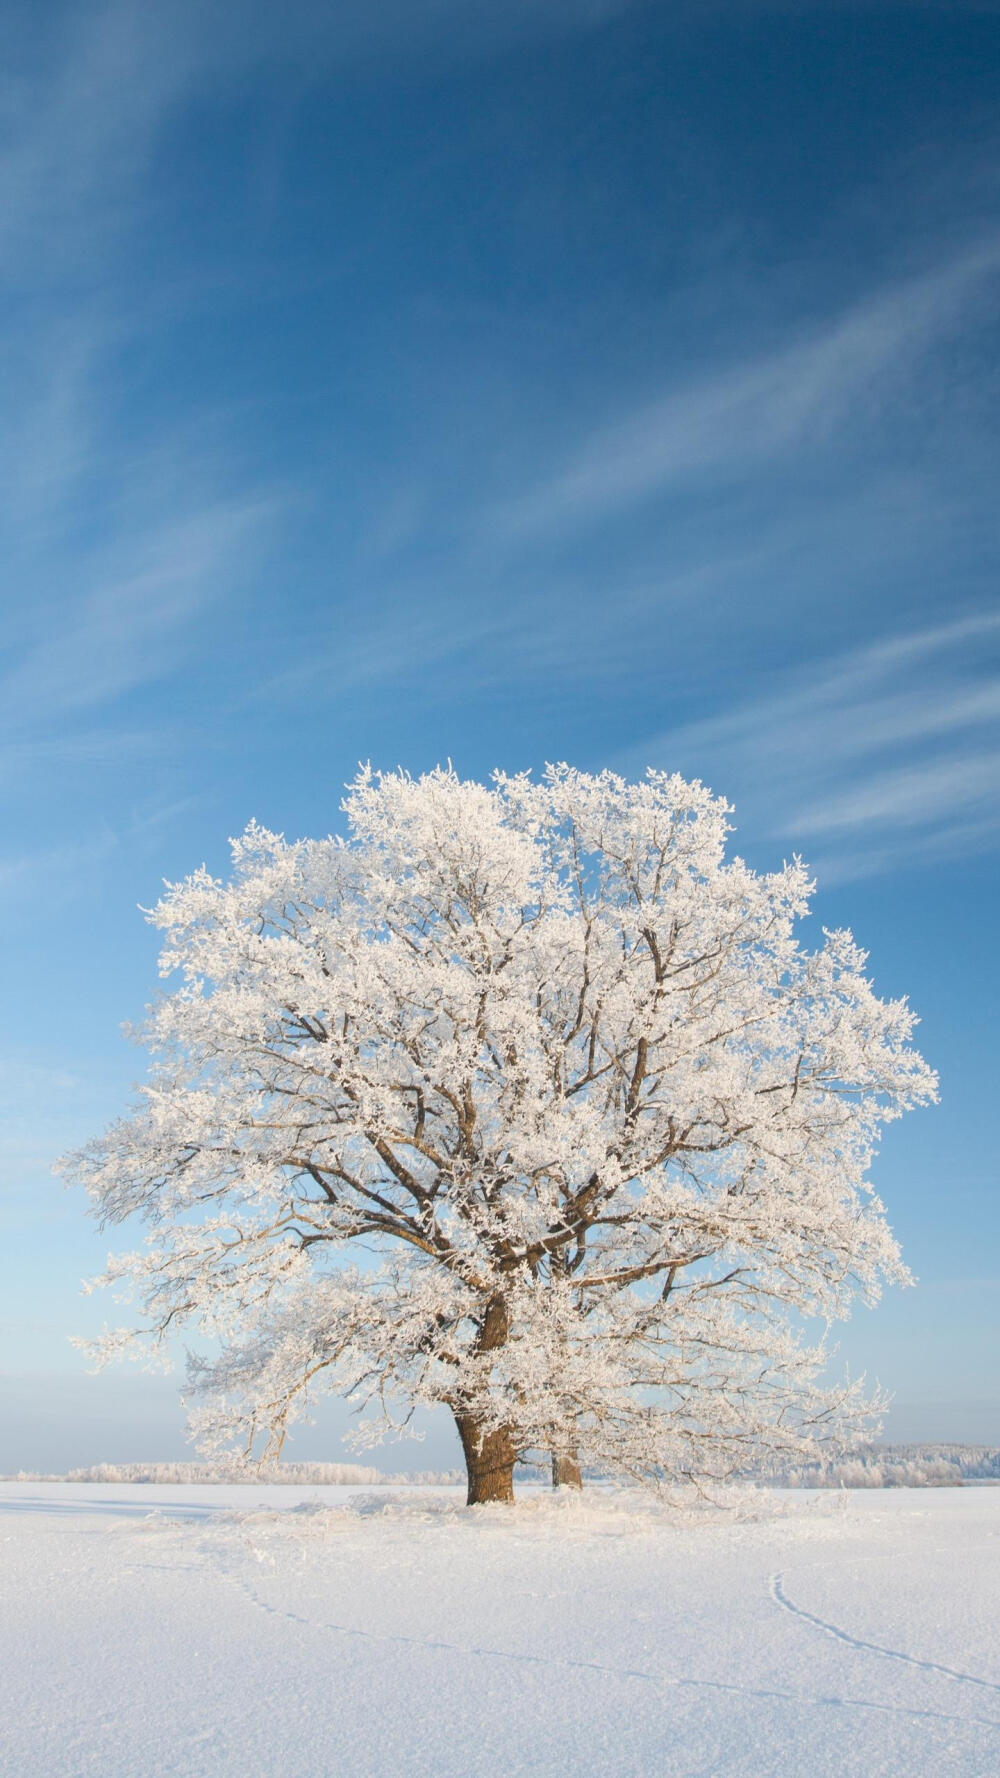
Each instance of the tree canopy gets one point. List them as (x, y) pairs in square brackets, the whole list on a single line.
[(522, 1099)]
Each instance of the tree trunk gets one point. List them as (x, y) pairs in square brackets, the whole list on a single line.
[(565, 1470), (489, 1461), (489, 1456)]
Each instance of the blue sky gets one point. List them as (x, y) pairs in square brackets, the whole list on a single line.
[(502, 382)]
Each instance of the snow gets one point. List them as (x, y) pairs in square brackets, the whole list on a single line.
[(312, 1632)]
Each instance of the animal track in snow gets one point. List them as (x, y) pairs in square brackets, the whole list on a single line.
[(781, 1598), (665, 1681)]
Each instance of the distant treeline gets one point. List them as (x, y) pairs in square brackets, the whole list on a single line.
[(896, 1466), (294, 1474), (869, 1466)]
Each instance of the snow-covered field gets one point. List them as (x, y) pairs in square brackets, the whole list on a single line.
[(314, 1633)]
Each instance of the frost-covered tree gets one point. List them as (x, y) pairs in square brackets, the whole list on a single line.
[(520, 1099)]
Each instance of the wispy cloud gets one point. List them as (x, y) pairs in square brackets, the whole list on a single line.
[(127, 628), (86, 88), (54, 876), (908, 796), (86, 98), (756, 411), (120, 533), (886, 755)]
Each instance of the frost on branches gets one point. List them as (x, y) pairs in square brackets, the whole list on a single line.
[(521, 1100)]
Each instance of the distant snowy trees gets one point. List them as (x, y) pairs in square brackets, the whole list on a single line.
[(308, 1475), (869, 1466), (522, 1100), (897, 1466)]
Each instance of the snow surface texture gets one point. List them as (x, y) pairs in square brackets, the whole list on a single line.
[(261, 1631)]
